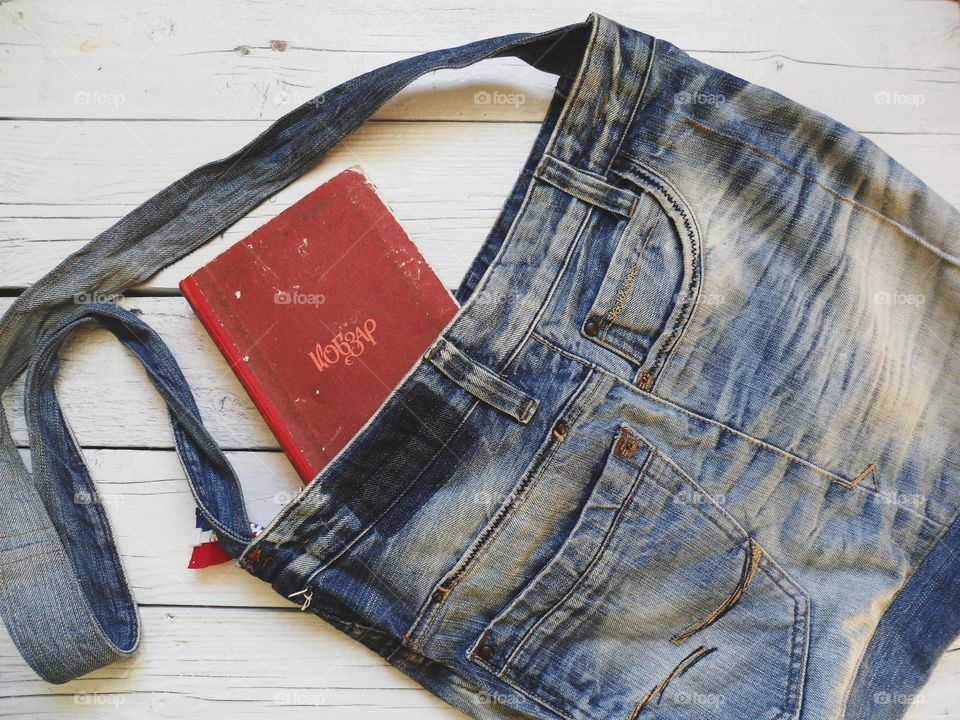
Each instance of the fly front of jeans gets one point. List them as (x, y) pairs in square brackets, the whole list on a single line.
[(669, 462)]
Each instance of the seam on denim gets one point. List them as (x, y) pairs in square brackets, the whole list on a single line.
[(555, 283), (323, 566), (575, 88), (799, 649), (519, 688), (869, 470), (600, 551), (750, 565), (8, 563), (105, 539), (626, 286), (939, 252), (114, 556), (790, 457), (832, 477), (688, 662), (670, 338), (313, 488), (906, 581), (431, 611), (651, 52), (27, 532)]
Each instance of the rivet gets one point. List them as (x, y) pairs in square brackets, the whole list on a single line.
[(591, 328), (627, 445), (645, 381), (252, 557), (486, 651), (560, 430)]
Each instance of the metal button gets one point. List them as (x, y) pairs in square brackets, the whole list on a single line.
[(591, 328), (645, 381)]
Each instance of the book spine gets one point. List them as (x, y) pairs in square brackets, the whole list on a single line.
[(191, 291)]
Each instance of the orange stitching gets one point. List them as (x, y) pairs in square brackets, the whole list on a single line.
[(871, 468), (750, 565), (688, 662)]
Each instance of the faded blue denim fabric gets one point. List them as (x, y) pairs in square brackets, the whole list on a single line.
[(689, 448)]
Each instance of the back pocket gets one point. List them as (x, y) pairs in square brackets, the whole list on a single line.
[(658, 604)]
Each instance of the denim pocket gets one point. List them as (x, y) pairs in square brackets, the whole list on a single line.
[(658, 603), (641, 286)]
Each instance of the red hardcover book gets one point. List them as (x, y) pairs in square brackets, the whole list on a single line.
[(320, 313)]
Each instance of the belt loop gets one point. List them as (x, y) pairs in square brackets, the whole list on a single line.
[(481, 382)]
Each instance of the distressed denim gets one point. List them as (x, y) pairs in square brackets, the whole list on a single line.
[(689, 447)]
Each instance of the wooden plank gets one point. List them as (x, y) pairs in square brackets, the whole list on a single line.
[(126, 411), (441, 179), (129, 62), (62, 183), (197, 662), (230, 662)]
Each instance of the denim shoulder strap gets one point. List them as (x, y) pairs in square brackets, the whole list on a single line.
[(65, 600)]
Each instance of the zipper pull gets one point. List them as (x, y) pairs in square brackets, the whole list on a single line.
[(307, 597)]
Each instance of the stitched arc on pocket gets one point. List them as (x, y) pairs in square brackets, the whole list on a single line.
[(643, 290), (653, 569)]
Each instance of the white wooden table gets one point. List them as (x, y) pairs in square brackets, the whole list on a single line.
[(104, 103)]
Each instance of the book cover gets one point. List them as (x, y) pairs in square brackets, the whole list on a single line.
[(320, 313)]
